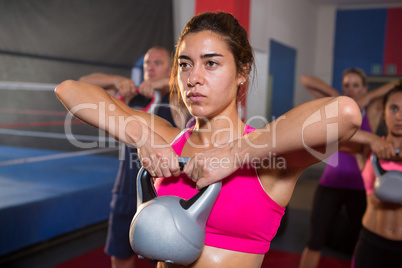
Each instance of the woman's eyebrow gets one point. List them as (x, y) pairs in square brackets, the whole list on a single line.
[(184, 57), (211, 55), (203, 56)]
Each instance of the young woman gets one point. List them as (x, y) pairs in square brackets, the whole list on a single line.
[(258, 168), (380, 241), (341, 184)]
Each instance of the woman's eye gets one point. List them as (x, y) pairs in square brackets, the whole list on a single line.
[(184, 65), (211, 63)]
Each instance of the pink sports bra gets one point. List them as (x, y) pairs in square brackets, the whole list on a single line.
[(244, 217), (369, 176)]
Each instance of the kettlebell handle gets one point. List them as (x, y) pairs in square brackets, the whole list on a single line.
[(145, 185), (378, 170)]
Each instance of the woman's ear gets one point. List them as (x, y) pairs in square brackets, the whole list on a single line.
[(243, 74)]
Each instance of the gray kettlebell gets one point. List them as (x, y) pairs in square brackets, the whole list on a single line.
[(169, 228), (387, 184)]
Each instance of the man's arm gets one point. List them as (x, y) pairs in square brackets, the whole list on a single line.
[(147, 87), (102, 80), (113, 84)]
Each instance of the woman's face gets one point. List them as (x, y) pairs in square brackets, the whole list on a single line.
[(393, 114), (352, 86), (207, 75)]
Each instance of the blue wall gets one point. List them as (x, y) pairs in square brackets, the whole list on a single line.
[(359, 42), (282, 69)]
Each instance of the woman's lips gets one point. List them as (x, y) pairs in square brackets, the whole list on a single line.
[(195, 97)]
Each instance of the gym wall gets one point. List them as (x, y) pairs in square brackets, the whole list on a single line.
[(49, 41)]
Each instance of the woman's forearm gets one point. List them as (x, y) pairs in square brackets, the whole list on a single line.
[(317, 87), (379, 146), (375, 94), (308, 133), (95, 107)]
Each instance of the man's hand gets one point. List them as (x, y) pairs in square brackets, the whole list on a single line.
[(127, 88), (147, 89)]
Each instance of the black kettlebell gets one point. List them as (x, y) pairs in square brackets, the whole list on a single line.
[(169, 228)]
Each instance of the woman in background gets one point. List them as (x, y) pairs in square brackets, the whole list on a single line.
[(380, 240), (341, 184)]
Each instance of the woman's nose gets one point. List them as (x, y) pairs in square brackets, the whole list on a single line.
[(195, 77), (398, 115)]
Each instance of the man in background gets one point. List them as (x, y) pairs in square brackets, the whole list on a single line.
[(157, 69)]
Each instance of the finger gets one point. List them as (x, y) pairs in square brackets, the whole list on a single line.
[(392, 151), (192, 171), (157, 169), (165, 169), (146, 163), (150, 93), (188, 168), (174, 165), (141, 89), (150, 164), (200, 184), (197, 171), (204, 181), (144, 91)]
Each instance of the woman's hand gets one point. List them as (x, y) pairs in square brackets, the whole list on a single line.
[(382, 148), (211, 166), (157, 156)]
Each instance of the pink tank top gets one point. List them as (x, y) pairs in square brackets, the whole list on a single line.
[(369, 176), (244, 217)]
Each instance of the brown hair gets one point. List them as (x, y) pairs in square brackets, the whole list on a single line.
[(357, 71), (397, 88), (232, 33), (167, 51)]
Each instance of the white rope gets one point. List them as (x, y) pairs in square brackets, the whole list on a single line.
[(52, 135), (55, 156), (8, 85)]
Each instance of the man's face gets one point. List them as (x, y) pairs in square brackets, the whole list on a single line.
[(156, 65)]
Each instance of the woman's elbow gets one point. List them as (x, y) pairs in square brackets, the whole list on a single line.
[(349, 116), (305, 80), (64, 88)]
